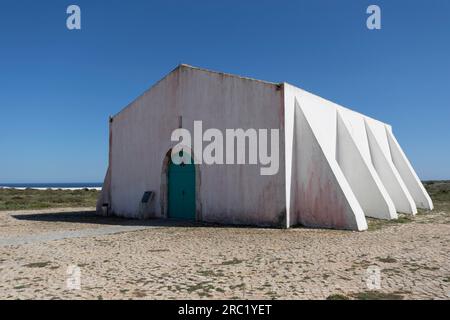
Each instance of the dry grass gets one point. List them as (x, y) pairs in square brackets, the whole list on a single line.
[(439, 191), (14, 199)]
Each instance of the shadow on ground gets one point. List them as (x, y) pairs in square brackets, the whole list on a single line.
[(91, 217)]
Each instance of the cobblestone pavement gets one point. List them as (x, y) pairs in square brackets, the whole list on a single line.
[(160, 260)]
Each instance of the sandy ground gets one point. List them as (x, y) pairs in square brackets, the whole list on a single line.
[(130, 259)]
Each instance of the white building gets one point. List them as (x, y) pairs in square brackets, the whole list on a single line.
[(336, 166)]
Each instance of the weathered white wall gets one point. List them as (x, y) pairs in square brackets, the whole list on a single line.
[(104, 196), (381, 159), (359, 158), (354, 160), (318, 193), (228, 193), (407, 173), (336, 165)]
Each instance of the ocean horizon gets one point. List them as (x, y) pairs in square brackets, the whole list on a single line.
[(53, 185)]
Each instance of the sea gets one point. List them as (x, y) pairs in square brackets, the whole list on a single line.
[(46, 185)]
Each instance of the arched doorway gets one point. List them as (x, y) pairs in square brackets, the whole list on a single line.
[(181, 190)]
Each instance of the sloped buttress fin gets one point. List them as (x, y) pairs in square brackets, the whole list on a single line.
[(361, 175), (322, 195), (407, 173), (381, 159), (104, 196)]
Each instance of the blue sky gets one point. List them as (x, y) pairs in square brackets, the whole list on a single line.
[(58, 87)]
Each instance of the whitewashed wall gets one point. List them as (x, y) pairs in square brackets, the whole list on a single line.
[(317, 192), (342, 165), (228, 193), (407, 173), (336, 165)]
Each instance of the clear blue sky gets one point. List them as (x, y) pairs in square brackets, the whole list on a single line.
[(58, 87)]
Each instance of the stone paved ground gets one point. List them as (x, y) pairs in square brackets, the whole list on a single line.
[(158, 260)]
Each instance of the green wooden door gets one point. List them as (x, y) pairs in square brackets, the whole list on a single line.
[(182, 191)]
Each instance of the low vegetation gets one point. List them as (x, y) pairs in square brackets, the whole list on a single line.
[(377, 295), (368, 295), (338, 296), (376, 224), (439, 191), (14, 199)]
